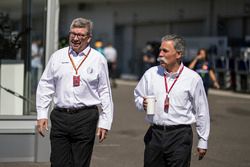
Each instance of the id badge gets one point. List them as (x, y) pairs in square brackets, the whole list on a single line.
[(76, 80), (166, 104)]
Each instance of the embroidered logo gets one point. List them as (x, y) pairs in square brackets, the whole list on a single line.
[(90, 70)]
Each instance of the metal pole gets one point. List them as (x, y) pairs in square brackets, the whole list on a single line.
[(26, 52), (52, 22)]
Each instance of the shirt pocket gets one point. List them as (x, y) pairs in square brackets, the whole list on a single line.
[(91, 77), (179, 99)]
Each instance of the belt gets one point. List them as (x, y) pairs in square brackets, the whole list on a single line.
[(75, 110), (169, 127)]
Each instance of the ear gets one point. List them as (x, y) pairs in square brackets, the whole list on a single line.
[(178, 55), (89, 39)]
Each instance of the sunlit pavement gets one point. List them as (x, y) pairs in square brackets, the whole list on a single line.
[(228, 145)]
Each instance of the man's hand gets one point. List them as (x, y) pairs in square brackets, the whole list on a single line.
[(42, 125), (102, 134), (201, 153)]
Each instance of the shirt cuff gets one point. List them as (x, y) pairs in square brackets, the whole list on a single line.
[(202, 144), (139, 105), (42, 115), (104, 124)]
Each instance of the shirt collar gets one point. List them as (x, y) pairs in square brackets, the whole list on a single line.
[(82, 53), (173, 74)]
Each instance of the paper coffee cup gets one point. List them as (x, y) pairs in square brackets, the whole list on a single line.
[(151, 105)]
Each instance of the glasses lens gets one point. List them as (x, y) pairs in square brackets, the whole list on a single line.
[(79, 36)]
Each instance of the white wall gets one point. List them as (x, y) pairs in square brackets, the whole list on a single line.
[(10, 78)]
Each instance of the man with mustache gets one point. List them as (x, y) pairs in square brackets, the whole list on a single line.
[(180, 101), (76, 79)]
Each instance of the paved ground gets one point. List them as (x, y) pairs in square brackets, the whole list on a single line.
[(229, 142)]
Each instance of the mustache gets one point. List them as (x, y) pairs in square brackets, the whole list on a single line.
[(162, 59)]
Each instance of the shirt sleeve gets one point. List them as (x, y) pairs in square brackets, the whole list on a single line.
[(140, 92), (104, 90), (45, 91), (202, 114)]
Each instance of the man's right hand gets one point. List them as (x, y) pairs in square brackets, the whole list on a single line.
[(42, 125)]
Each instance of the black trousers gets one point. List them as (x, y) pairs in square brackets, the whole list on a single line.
[(72, 137), (168, 147)]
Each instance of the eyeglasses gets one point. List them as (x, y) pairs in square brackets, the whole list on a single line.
[(78, 35)]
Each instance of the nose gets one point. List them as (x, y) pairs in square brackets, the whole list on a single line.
[(161, 53), (75, 37)]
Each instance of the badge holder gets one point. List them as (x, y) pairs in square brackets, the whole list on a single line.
[(166, 104), (76, 80)]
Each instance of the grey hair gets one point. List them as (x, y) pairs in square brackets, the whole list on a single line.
[(82, 23), (179, 42)]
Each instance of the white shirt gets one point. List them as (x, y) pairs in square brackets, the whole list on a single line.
[(110, 54), (187, 100), (56, 84)]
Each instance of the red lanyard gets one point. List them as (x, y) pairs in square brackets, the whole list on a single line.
[(166, 102), (73, 64), (166, 84)]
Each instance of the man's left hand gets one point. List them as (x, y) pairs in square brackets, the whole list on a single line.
[(201, 153), (102, 134)]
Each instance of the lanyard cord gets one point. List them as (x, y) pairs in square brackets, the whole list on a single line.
[(166, 84), (73, 64)]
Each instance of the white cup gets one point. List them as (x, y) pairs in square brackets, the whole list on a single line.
[(151, 105)]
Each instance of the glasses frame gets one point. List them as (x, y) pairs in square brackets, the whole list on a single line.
[(78, 35)]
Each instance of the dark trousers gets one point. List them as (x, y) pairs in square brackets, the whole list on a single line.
[(72, 137), (170, 147)]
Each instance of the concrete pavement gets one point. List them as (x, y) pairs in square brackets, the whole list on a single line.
[(228, 144)]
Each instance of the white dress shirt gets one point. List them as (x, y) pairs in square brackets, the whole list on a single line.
[(187, 100), (56, 84)]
